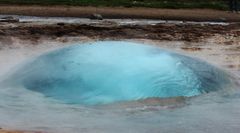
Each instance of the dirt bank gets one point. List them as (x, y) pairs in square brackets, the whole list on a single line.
[(121, 12), (109, 30)]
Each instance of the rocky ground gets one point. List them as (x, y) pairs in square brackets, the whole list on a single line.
[(111, 30)]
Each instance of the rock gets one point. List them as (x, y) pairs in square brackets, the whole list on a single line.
[(60, 24), (191, 48), (96, 16), (9, 19)]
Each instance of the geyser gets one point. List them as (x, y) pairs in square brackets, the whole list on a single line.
[(113, 71)]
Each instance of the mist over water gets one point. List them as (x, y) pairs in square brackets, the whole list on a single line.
[(113, 71)]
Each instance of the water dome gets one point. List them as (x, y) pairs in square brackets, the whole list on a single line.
[(105, 72)]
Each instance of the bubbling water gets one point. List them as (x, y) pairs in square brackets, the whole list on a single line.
[(114, 71)]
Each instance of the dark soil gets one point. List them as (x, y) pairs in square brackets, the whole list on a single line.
[(172, 32)]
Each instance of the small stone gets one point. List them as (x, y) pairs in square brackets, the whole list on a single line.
[(60, 24)]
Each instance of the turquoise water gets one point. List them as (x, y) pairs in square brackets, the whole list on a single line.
[(114, 71)]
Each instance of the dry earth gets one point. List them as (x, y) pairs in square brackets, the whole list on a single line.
[(121, 12), (110, 30)]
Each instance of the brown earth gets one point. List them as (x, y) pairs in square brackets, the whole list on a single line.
[(121, 12), (107, 30)]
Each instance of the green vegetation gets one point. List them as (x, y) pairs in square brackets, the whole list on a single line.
[(212, 4)]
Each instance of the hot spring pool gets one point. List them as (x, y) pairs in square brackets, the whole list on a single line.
[(95, 87)]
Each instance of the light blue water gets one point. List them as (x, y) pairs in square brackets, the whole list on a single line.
[(114, 71)]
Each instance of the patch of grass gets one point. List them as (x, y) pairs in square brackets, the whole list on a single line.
[(175, 4)]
